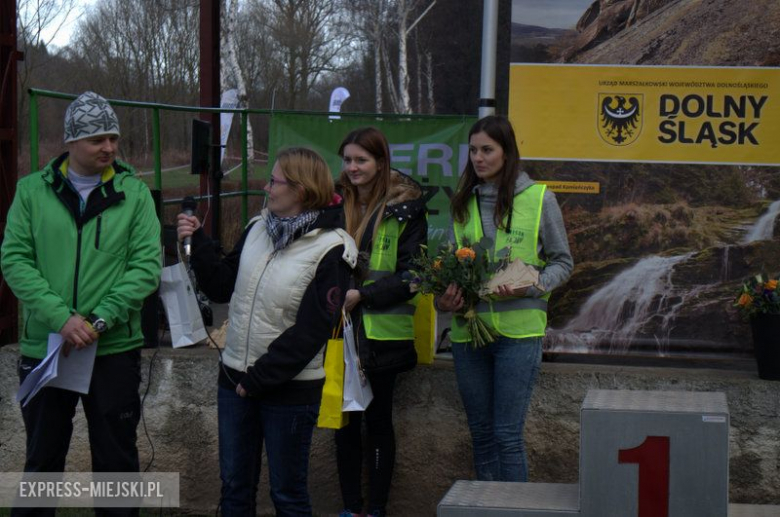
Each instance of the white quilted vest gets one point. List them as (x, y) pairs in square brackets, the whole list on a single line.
[(269, 289)]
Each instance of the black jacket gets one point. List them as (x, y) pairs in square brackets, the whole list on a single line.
[(270, 377), (406, 203)]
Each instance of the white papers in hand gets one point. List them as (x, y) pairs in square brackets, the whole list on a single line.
[(517, 275), (57, 371)]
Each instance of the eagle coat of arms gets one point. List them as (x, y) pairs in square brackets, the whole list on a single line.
[(620, 117)]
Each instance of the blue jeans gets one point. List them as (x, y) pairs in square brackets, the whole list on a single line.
[(244, 424), (496, 383)]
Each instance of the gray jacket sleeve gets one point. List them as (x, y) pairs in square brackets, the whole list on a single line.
[(554, 247)]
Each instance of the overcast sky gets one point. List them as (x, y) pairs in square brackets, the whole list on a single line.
[(549, 13), (60, 31), (545, 13)]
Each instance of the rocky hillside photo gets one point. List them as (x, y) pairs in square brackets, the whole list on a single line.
[(661, 251), (678, 32)]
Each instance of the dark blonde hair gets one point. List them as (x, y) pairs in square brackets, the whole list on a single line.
[(375, 144), (498, 129), (306, 169)]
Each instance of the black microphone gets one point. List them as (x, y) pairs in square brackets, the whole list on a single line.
[(188, 206)]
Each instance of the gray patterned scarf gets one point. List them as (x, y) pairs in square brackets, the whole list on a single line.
[(283, 230)]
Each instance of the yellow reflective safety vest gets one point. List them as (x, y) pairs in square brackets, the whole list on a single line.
[(511, 317), (396, 322)]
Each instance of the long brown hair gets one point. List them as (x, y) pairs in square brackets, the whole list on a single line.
[(375, 144), (499, 129)]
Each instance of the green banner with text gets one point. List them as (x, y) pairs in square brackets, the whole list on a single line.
[(432, 150)]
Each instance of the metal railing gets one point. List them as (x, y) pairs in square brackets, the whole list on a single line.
[(156, 108)]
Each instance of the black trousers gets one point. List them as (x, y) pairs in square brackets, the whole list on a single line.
[(381, 446), (112, 408)]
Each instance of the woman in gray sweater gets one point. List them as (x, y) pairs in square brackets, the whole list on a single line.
[(496, 199)]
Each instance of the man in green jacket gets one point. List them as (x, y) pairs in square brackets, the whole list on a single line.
[(81, 252)]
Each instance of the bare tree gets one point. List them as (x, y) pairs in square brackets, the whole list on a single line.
[(404, 11), (372, 23), (391, 87), (38, 23), (403, 8), (140, 50), (418, 75), (262, 74), (233, 76), (387, 25), (310, 41), (429, 82)]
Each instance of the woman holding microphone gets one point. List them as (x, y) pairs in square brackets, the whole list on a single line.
[(285, 281)]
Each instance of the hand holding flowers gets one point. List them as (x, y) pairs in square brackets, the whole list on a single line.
[(457, 276), (461, 277)]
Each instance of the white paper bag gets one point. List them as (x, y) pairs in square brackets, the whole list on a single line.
[(357, 390), (181, 306)]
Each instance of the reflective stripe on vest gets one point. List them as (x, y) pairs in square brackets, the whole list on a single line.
[(512, 317), (395, 322)]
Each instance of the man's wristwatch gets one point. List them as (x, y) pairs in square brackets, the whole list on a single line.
[(97, 323)]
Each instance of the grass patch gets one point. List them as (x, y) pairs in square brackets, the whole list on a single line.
[(180, 177)]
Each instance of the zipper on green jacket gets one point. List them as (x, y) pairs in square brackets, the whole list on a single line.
[(79, 227), (97, 231)]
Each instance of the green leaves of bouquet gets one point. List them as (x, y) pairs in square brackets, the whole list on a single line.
[(469, 267)]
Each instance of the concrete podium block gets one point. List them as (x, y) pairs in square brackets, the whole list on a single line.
[(490, 498), (642, 454), (654, 454)]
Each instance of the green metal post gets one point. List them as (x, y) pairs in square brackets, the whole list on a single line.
[(33, 132), (156, 147), (244, 169)]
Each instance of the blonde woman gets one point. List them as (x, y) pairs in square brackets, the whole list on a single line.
[(285, 280)]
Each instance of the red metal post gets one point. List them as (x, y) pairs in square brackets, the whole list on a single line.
[(209, 97), (8, 155)]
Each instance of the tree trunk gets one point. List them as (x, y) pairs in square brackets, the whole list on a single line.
[(237, 73), (418, 71), (403, 72), (394, 102), (429, 82), (378, 73)]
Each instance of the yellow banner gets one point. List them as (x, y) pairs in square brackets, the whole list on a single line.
[(646, 114)]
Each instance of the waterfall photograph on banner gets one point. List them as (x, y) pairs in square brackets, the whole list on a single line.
[(669, 228)]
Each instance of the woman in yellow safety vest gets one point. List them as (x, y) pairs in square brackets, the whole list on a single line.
[(386, 215), (496, 199)]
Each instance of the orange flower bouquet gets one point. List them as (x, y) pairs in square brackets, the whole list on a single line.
[(469, 268), (758, 296)]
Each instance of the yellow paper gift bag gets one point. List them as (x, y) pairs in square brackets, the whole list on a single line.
[(425, 329), (331, 416)]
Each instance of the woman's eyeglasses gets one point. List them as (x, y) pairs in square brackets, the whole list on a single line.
[(273, 181)]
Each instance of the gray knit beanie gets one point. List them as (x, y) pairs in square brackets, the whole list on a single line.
[(90, 115)]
